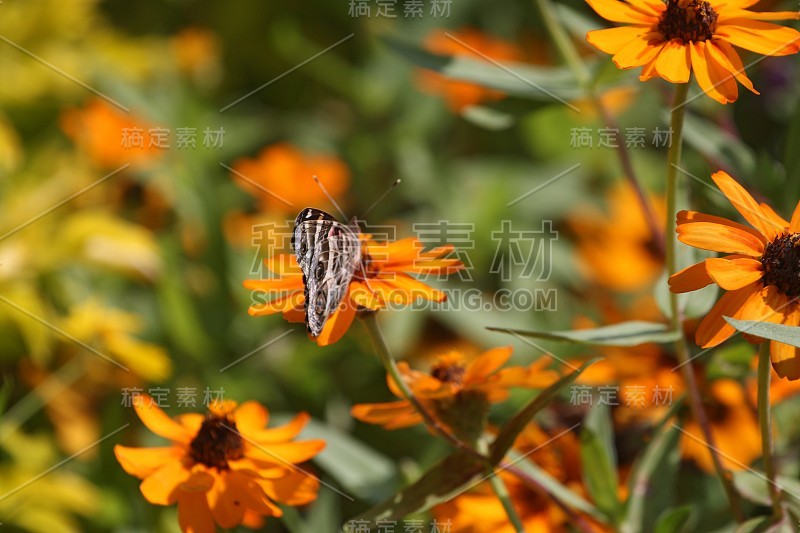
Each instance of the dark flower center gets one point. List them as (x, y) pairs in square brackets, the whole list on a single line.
[(449, 372), (217, 442), (781, 264), (688, 20)]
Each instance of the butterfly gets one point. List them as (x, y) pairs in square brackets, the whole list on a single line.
[(329, 254)]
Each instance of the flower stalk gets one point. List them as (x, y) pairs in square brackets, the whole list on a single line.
[(681, 348), (765, 424)]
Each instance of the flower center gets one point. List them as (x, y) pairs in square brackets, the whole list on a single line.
[(217, 442), (688, 20), (448, 371), (781, 264)]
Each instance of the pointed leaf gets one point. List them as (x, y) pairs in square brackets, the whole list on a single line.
[(623, 334), (508, 433), (444, 481), (598, 461), (674, 520), (767, 330)]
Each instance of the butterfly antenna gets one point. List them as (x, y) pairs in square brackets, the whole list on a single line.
[(321, 186), (381, 197)]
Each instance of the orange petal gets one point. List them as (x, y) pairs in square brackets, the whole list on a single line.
[(361, 295), (776, 219), (250, 417), (162, 486), (485, 364), (767, 305), (297, 488), (794, 224), (283, 285), (703, 73), (621, 12), (719, 238), (191, 421), (733, 274), (285, 452), (746, 205), (252, 495), (760, 37), (141, 462), (690, 279), (726, 15), (786, 358), (282, 433), (200, 480), (225, 501), (673, 62), (638, 52), (411, 289), (282, 304), (613, 40), (338, 323), (724, 54), (194, 515), (158, 422), (390, 415), (714, 329)]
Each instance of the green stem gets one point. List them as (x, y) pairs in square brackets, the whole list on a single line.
[(505, 499), (681, 348), (370, 321), (765, 423), (569, 53)]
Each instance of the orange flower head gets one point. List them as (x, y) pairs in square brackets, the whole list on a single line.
[(673, 38), (100, 130), (733, 425), (458, 394), (280, 177), (461, 94), (384, 280), (760, 272), (617, 250), (223, 468)]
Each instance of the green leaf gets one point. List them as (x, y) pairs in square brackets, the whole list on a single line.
[(718, 145), (362, 471), (539, 83), (599, 461), (674, 520), (508, 433), (442, 482), (623, 334), (652, 479), (488, 118), (775, 332)]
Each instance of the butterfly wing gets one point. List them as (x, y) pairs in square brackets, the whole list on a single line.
[(328, 253)]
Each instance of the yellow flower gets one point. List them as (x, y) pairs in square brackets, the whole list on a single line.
[(670, 39), (223, 467), (384, 280), (457, 393), (760, 274)]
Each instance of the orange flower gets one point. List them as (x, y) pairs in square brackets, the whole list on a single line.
[(461, 94), (384, 281), (100, 129), (617, 250), (761, 273), (224, 467), (733, 425), (459, 394), (670, 39), (281, 176), (479, 511)]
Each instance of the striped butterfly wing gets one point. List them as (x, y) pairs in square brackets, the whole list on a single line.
[(328, 253)]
